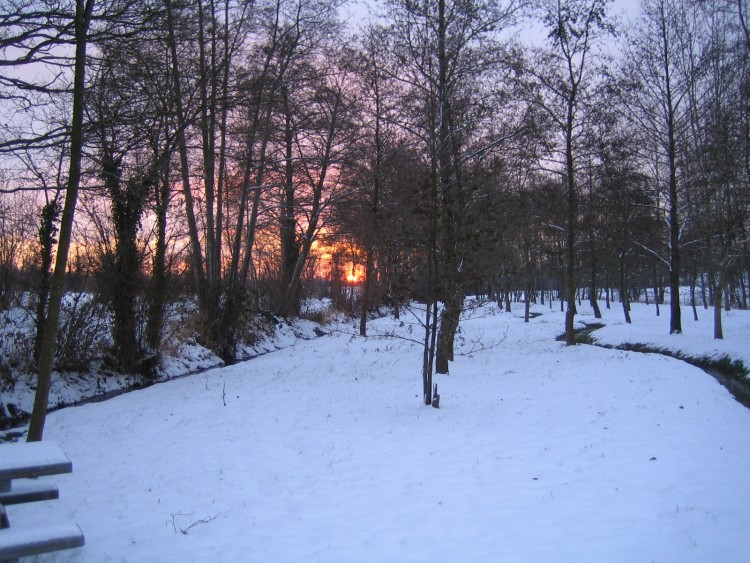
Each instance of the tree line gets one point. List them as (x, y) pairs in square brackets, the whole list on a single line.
[(212, 150)]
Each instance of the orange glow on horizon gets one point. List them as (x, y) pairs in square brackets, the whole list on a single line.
[(355, 273)]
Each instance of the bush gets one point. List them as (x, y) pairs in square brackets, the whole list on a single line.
[(83, 334), (16, 345)]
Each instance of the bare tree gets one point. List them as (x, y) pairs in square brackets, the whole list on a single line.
[(564, 74), (81, 21), (715, 149), (442, 49), (17, 220), (320, 141), (657, 107), (203, 39), (374, 70)]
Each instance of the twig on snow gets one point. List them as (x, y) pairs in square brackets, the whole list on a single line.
[(185, 530)]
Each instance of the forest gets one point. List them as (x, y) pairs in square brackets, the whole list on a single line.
[(232, 158)]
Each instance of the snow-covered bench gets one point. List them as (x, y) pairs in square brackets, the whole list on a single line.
[(28, 490), (21, 542), (19, 465)]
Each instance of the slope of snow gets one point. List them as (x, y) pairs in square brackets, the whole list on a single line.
[(323, 452)]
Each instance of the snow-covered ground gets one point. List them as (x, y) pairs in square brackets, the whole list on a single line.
[(323, 452)]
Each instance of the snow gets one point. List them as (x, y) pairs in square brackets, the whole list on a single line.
[(323, 451)]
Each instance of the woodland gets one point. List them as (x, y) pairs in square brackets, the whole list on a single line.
[(235, 157)]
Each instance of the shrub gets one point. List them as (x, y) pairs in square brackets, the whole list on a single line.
[(83, 334)]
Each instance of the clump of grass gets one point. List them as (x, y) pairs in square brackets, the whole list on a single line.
[(733, 369), (319, 316)]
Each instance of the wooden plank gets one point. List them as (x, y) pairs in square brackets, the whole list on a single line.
[(32, 459), (25, 490), (21, 542)]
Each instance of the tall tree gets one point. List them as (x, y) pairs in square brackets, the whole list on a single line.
[(203, 39), (564, 76), (321, 136), (365, 214), (125, 121), (283, 36), (81, 20), (657, 107), (443, 48), (716, 147)]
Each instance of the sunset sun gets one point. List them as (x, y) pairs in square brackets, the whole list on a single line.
[(355, 273)]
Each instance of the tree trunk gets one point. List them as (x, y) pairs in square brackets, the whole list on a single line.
[(212, 329), (593, 290), (624, 292), (675, 321), (84, 9), (428, 351), (693, 281), (527, 304), (158, 290), (448, 326), (451, 203), (718, 290), (290, 249), (127, 207), (431, 309), (366, 285)]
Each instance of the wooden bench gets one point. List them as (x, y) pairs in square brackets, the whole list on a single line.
[(22, 542), (20, 464), (27, 490)]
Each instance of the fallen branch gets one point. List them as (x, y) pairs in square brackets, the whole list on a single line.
[(203, 521), (185, 530)]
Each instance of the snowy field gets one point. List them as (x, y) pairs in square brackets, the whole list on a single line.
[(323, 452)]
